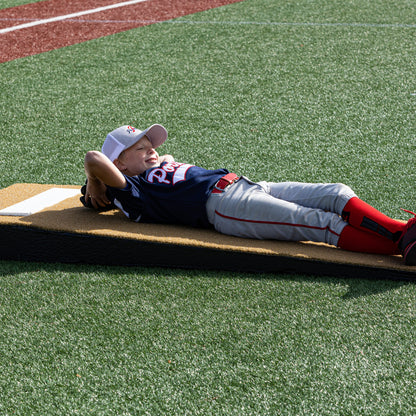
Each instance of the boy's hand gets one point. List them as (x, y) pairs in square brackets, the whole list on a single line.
[(101, 172), (96, 193), (166, 158)]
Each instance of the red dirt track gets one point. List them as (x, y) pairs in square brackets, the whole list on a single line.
[(49, 36)]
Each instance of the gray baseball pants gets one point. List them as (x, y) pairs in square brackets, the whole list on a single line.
[(290, 211)]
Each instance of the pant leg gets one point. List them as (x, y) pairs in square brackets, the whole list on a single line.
[(327, 196), (245, 209)]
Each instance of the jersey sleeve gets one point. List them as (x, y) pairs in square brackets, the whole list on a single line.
[(128, 200)]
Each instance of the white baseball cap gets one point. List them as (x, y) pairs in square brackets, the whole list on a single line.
[(125, 136)]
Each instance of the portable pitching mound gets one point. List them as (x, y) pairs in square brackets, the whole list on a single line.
[(47, 223)]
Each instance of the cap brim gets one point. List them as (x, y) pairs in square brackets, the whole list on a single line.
[(157, 134)]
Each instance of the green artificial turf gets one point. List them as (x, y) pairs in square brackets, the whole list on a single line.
[(275, 102), (307, 90), (13, 3), (121, 341)]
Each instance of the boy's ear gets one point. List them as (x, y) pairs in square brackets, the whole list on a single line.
[(119, 164)]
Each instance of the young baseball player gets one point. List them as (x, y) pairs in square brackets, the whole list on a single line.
[(130, 175)]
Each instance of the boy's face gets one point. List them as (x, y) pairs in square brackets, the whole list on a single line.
[(137, 158)]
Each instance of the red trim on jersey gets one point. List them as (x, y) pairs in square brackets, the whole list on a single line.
[(276, 223)]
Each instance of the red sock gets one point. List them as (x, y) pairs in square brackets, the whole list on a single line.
[(361, 215), (354, 239)]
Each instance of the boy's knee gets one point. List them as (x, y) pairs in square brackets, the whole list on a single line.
[(343, 190)]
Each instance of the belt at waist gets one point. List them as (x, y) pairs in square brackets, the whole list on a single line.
[(226, 180)]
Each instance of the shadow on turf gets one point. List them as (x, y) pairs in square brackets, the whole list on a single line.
[(358, 287)]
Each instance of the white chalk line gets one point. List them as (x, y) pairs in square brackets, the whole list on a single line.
[(72, 18), (69, 16), (28, 19)]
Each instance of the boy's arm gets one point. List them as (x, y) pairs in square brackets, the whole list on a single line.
[(101, 172)]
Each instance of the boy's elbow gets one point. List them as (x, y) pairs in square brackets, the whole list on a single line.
[(92, 155), (93, 162), (92, 158)]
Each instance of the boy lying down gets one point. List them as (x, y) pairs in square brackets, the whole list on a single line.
[(129, 174)]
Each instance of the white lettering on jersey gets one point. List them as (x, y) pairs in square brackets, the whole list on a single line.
[(180, 173), (160, 174)]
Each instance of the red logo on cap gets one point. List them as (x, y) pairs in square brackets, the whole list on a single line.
[(130, 129)]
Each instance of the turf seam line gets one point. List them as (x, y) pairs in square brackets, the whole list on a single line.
[(346, 24), (194, 22)]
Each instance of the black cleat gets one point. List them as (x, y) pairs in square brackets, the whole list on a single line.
[(407, 243)]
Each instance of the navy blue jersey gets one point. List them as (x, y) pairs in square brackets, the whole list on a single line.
[(174, 193)]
